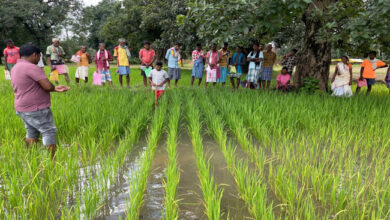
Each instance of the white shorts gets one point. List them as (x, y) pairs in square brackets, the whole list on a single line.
[(82, 72)]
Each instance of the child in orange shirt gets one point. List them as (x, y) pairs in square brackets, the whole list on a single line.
[(367, 71)]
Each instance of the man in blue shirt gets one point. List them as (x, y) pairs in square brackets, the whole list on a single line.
[(174, 59)]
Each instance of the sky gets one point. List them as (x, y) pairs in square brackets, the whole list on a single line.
[(91, 2)]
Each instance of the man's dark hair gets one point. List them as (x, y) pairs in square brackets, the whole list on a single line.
[(239, 47), (146, 43), (256, 43), (372, 52), (225, 44), (198, 44), (294, 50), (178, 44), (28, 50), (159, 63), (9, 41), (285, 68), (213, 44)]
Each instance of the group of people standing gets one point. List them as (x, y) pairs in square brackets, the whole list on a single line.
[(222, 64)]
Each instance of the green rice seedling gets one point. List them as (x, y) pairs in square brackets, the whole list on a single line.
[(172, 173), (248, 183), (211, 194), (138, 184)]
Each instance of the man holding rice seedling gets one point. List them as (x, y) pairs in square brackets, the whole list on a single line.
[(174, 59), (255, 58), (83, 66), (367, 72), (224, 63), (213, 58), (55, 56), (122, 54), (147, 57), (32, 98), (11, 55), (102, 61), (198, 57), (158, 79), (267, 68)]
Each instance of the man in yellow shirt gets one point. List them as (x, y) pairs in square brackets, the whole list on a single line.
[(83, 65), (122, 54), (367, 71)]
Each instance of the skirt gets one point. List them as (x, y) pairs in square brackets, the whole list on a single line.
[(197, 70), (266, 73), (211, 75), (174, 73), (343, 91), (253, 75), (82, 72), (224, 72)]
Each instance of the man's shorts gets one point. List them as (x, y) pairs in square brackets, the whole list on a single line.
[(370, 81), (40, 122), (124, 70)]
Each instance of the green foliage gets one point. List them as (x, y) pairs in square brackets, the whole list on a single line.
[(34, 20), (310, 85)]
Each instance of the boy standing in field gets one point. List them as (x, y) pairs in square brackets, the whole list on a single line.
[(11, 55), (32, 98), (147, 57), (267, 69), (367, 71), (55, 55), (102, 61), (173, 56), (158, 78), (83, 66), (122, 54), (224, 63)]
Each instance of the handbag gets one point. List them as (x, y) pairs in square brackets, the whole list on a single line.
[(147, 71), (97, 80), (54, 75), (75, 59), (7, 75), (362, 83)]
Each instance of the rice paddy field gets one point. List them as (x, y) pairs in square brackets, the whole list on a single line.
[(202, 154)]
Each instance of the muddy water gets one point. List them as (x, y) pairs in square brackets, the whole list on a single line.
[(231, 203), (189, 192), (116, 204), (153, 206)]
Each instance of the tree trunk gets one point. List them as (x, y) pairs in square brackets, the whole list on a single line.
[(315, 58)]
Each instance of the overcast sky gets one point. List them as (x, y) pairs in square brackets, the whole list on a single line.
[(91, 2)]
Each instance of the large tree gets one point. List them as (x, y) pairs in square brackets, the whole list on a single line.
[(319, 25), (141, 20), (34, 20)]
